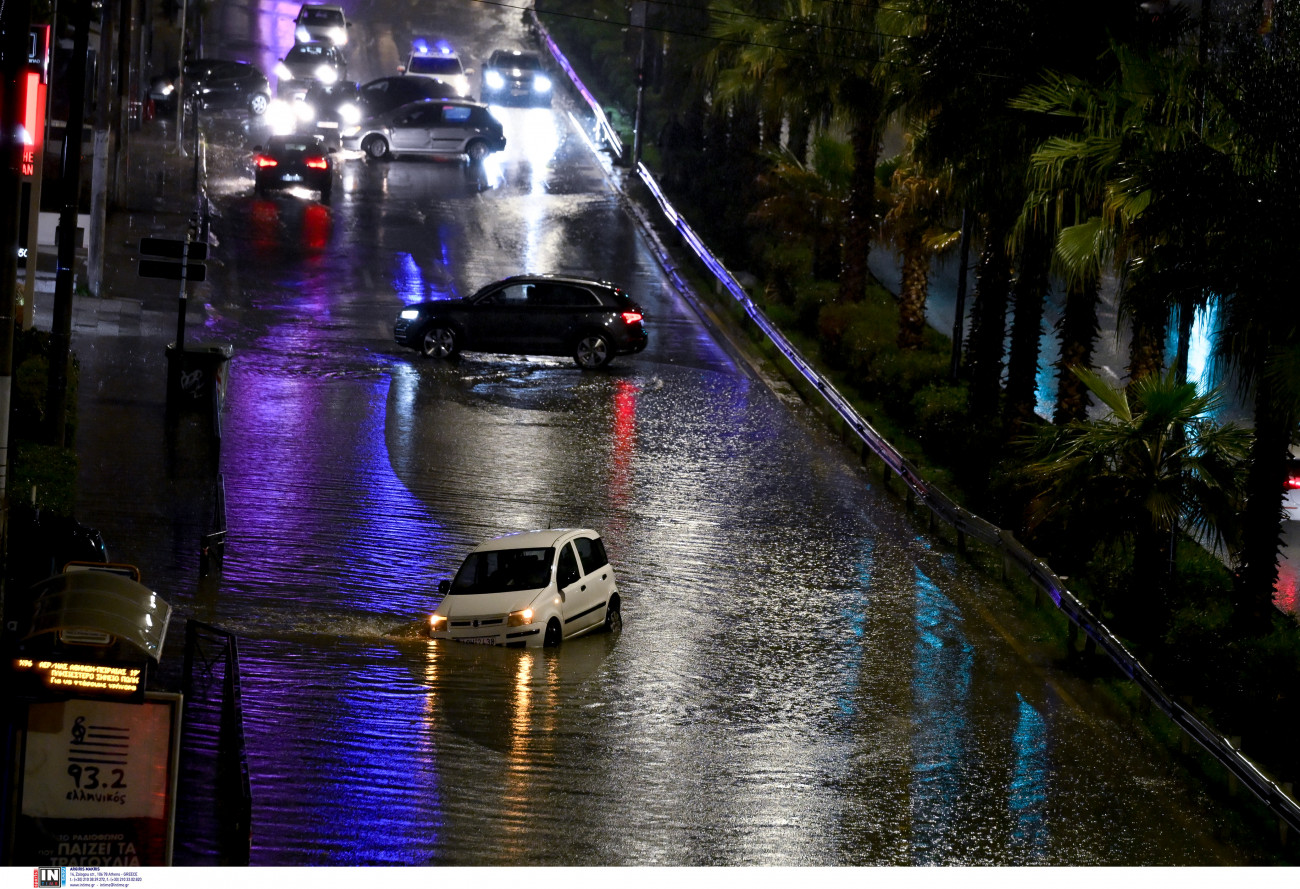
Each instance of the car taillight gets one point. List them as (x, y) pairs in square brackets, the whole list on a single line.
[(631, 317), (1293, 482), (263, 161), (317, 163)]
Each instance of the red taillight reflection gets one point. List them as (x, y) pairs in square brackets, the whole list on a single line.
[(631, 317), (1293, 482), (317, 163), (262, 161)]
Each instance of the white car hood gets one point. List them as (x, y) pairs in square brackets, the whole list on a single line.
[(454, 605)]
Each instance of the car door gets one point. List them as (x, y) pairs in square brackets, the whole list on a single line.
[(452, 129), (498, 321), (597, 573), (573, 308), (412, 130), (222, 87), (580, 606)]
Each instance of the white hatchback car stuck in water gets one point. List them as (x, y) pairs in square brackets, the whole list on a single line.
[(530, 589)]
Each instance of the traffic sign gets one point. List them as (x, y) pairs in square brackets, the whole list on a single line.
[(173, 249), (161, 268)]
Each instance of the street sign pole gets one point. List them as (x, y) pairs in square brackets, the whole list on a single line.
[(180, 317)]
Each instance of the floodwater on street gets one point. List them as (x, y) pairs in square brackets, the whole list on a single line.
[(803, 677)]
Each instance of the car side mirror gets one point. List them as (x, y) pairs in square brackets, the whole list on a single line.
[(444, 586)]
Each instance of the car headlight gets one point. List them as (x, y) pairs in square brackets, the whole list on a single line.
[(349, 113), (519, 618), (437, 623), (493, 80), (305, 112), (326, 74), (409, 314), (282, 71), (169, 89), (339, 36), (302, 35), (541, 84)]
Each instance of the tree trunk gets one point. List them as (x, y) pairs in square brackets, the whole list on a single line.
[(1150, 323), (987, 342), (1262, 522), (1027, 331), (860, 220), (912, 294), (1078, 330)]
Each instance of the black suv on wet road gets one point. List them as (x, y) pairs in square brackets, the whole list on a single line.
[(529, 315)]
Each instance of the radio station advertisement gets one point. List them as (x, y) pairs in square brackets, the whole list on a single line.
[(98, 782)]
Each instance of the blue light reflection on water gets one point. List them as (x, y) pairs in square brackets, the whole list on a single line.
[(941, 687), (359, 577), (413, 285), (1029, 787), (854, 615)]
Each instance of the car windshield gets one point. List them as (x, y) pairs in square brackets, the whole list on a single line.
[(434, 65), (503, 571), (307, 52), (322, 16), (526, 63)]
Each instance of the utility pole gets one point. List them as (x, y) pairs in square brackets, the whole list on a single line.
[(56, 400), (638, 22)]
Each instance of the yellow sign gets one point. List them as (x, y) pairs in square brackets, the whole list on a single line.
[(104, 678)]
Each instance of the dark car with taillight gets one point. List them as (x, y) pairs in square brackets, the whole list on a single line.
[(293, 161), (592, 321)]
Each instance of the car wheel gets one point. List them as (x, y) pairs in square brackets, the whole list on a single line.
[(439, 342), (376, 147), (476, 151), (258, 104), (613, 615), (554, 635), (593, 351)]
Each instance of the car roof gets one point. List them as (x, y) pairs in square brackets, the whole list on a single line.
[(555, 279), (532, 539)]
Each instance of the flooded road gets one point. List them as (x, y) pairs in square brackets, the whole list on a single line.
[(803, 678)]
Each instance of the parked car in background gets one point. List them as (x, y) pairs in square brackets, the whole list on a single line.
[(293, 161), (386, 93), (510, 75), (306, 64), (438, 62), (321, 23), (214, 85), (529, 590), (593, 321), (437, 127)]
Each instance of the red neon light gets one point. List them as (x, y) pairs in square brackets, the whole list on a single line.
[(33, 117)]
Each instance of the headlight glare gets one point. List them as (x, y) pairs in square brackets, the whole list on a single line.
[(437, 623), (494, 80), (520, 618), (326, 74), (542, 83), (410, 314), (282, 71)]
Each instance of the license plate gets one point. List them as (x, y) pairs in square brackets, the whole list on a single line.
[(480, 640), (329, 124), (292, 177)]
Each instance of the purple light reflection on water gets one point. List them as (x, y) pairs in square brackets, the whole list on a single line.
[(331, 556)]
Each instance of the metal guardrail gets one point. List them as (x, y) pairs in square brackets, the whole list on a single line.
[(1280, 803)]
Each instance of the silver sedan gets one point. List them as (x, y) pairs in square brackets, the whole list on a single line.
[(440, 127)]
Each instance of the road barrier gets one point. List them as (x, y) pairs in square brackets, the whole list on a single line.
[(965, 523)]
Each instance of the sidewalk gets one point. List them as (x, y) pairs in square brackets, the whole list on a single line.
[(138, 490)]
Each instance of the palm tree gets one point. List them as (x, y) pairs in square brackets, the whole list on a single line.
[(917, 222), (806, 201), (816, 57), (1156, 468)]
